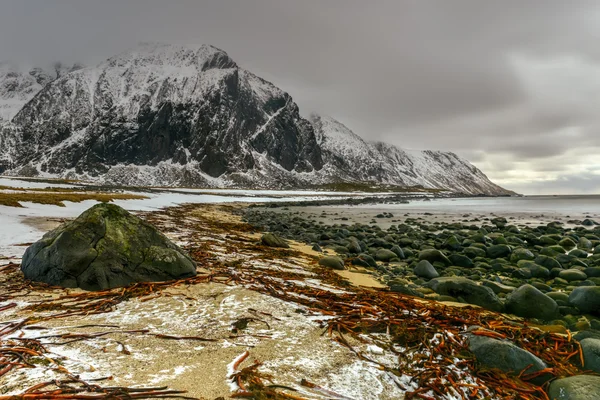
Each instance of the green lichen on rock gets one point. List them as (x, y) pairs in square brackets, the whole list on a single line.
[(105, 247)]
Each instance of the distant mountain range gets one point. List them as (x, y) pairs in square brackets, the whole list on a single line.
[(166, 115)]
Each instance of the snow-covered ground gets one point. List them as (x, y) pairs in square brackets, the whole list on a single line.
[(17, 226), (29, 183)]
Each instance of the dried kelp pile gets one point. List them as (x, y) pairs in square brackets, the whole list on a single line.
[(428, 339)]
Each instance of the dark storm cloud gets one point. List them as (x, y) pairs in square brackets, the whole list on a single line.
[(483, 78)]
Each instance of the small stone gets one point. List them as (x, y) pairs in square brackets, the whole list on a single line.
[(504, 355), (433, 255), (498, 287), (424, 269), (571, 275), (468, 290), (332, 262), (529, 302), (385, 255), (567, 243), (521, 254), (498, 250), (271, 240), (586, 299)]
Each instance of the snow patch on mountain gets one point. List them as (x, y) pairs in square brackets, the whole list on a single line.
[(362, 161), (168, 115)]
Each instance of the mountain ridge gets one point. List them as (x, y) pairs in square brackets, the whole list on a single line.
[(172, 115)]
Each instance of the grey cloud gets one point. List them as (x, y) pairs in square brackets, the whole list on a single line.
[(423, 74), (587, 183)]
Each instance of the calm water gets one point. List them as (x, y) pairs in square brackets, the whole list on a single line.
[(577, 205)]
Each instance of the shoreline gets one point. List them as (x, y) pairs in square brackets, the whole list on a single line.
[(276, 283)]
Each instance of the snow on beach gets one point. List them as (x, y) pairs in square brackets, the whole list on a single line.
[(21, 225)]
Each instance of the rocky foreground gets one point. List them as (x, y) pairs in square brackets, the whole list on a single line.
[(477, 309)]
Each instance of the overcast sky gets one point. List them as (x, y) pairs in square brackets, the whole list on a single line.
[(514, 86)]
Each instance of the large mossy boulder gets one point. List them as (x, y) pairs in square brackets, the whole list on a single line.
[(103, 248)]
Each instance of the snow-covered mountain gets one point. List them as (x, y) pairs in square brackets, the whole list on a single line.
[(19, 84), (190, 116), (352, 158)]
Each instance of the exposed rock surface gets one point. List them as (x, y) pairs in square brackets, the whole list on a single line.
[(271, 240), (332, 262), (105, 247), (504, 355), (579, 387), (591, 354), (468, 290), (529, 302), (190, 116), (586, 299), (424, 269)]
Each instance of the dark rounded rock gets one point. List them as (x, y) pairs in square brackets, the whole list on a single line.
[(571, 275), (332, 262), (521, 254), (353, 247), (592, 272), (474, 252), (591, 354), (504, 355), (586, 299), (452, 243), (460, 260), (433, 255), (578, 387), (359, 262), (548, 262), (498, 250), (103, 248), (529, 302), (271, 240), (567, 243), (498, 287), (536, 271), (368, 259), (468, 290), (385, 255), (404, 289), (561, 298), (424, 269), (398, 250)]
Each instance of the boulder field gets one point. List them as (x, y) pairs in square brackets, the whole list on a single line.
[(548, 273)]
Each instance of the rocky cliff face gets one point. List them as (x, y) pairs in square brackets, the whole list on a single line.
[(19, 84), (191, 113), (174, 115)]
